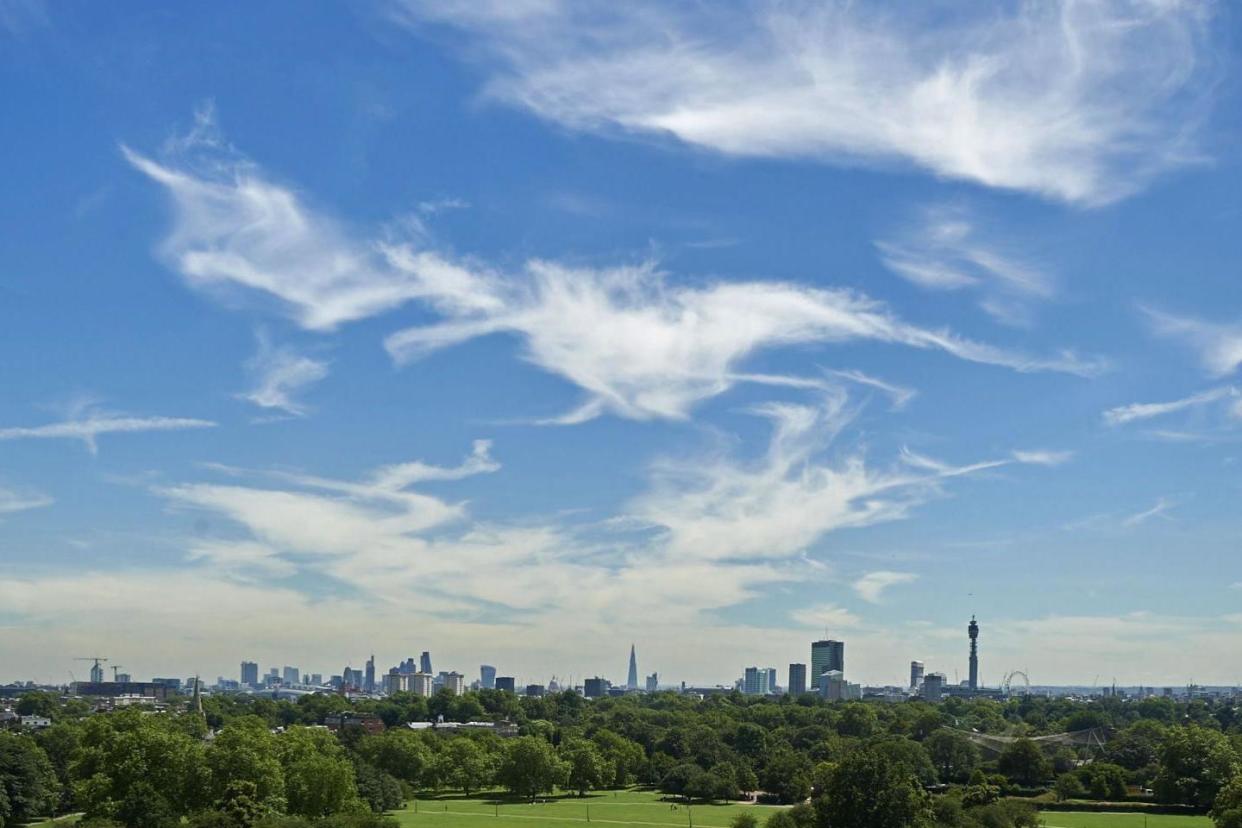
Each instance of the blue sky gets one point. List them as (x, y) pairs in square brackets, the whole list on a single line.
[(518, 331)]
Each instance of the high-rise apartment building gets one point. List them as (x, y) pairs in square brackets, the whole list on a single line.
[(653, 682), (797, 679), (291, 675), (916, 674), (368, 681), (250, 674), (826, 655)]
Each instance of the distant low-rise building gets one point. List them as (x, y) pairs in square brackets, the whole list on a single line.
[(362, 721), (506, 683), (115, 689), (595, 688)]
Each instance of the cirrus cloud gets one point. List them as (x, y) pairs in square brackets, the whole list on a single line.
[(1023, 98)]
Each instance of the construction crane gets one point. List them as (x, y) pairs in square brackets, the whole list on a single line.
[(97, 675)]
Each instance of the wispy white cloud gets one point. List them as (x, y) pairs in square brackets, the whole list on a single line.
[(871, 586), (21, 500), (1219, 345), (237, 232), (643, 348), (441, 205), (1043, 457), (244, 558), (947, 250), (1160, 510), (639, 346), (279, 374), (1143, 411), (722, 508), (90, 425), (827, 617), (1024, 98)]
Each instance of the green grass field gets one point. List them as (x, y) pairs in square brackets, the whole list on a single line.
[(620, 808), (1086, 819)]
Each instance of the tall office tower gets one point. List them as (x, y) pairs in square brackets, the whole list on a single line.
[(631, 680), (487, 676), (755, 681), (505, 683), (973, 632), (424, 663), (916, 674), (368, 683), (771, 679), (797, 679), (316, 679), (291, 676), (595, 688), (97, 675), (250, 674), (653, 682), (826, 655)]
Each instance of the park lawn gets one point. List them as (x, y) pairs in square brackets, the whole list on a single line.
[(611, 808), (1092, 819)]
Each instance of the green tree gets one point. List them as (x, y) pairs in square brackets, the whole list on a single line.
[(866, 790), (38, 703), (319, 778), (858, 720), (954, 756), (245, 751), (750, 740), (120, 750), (242, 804), (745, 819), (1069, 786), (588, 769), (1104, 780), (910, 755), (1024, 763), (626, 756), (401, 753), (1195, 763), (787, 774), (27, 779), (379, 790), (465, 765), (530, 767), (1137, 747), (142, 806), (60, 742), (1227, 809)]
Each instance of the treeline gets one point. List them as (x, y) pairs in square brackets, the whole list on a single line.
[(250, 761)]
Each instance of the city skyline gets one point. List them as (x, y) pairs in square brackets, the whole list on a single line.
[(505, 332)]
